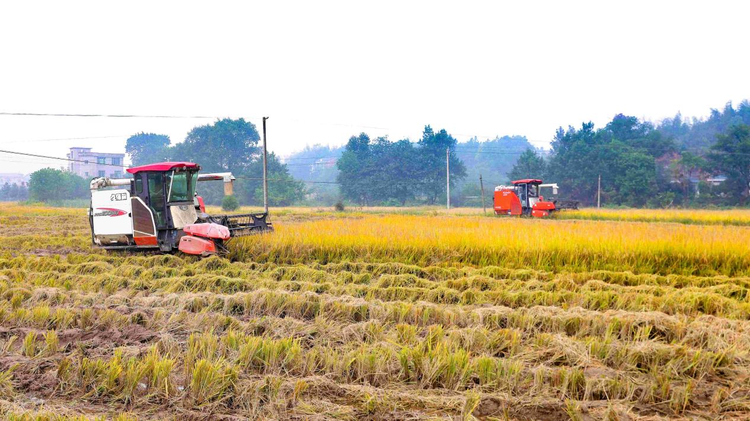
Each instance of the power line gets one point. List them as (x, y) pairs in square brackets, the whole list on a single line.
[(65, 138), (287, 181), (122, 166), (359, 126), (57, 158), (105, 115)]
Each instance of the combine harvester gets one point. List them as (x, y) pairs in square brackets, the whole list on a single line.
[(158, 209), (524, 198)]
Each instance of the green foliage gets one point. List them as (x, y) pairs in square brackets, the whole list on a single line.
[(684, 170), (230, 203), (14, 192), (697, 135), (228, 145), (626, 154), (431, 163), (225, 145), (731, 155), (147, 148), (383, 172), (529, 165), (283, 189), (49, 185)]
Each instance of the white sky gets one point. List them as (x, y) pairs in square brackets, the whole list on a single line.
[(324, 71)]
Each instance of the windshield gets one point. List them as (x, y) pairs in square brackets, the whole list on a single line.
[(181, 186)]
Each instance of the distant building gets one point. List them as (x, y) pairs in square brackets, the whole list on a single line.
[(13, 178), (89, 164), (716, 180)]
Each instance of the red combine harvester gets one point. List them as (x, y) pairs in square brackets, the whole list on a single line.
[(523, 198), (158, 209)]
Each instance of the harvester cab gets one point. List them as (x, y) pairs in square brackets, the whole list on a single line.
[(524, 198), (159, 209)]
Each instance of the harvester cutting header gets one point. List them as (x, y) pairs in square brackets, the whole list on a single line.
[(159, 209), (524, 198)]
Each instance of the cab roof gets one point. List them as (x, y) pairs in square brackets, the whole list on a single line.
[(528, 181), (162, 166)]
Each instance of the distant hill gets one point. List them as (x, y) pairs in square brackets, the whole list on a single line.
[(317, 165), (493, 159), (696, 135)]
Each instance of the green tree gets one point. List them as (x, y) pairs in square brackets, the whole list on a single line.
[(624, 154), (49, 184), (230, 203), (432, 168), (684, 170), (731, 155), (226, 145), (529, 165), (378, 171), (354, 170), (147, 148), (283, 189)]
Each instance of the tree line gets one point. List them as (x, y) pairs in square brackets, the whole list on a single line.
[(14, 192), (226, 145), (382, 172), (677, 162), (642, 164)]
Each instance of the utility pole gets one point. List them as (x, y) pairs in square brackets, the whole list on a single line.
[(481, 185), (448, 176), (599, 193), (265, 168)]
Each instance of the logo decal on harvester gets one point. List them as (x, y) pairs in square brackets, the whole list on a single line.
[(109, 212)]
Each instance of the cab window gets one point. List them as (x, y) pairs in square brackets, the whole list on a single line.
[(181, 186), (138, 181), (156, 195)]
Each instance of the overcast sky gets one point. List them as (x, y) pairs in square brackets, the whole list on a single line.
[(324, 71)]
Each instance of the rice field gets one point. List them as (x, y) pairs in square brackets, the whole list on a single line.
[(383, 314)]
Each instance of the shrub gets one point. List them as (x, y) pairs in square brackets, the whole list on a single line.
[(339, 206), (230, 203)]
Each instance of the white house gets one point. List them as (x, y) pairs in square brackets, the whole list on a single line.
[(89, 164)]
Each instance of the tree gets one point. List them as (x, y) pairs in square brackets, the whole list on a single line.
[(230, 203), (226, 145), (399, 164), (5, 193), (529, 165), (731, 155), (624, 154), (393, 173), (353, 170), (684, 169), (432, 165), (283, 189), (147, 148), (49, 184)]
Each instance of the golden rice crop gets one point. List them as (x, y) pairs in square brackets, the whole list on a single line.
[(684, 216), (519, 243)]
